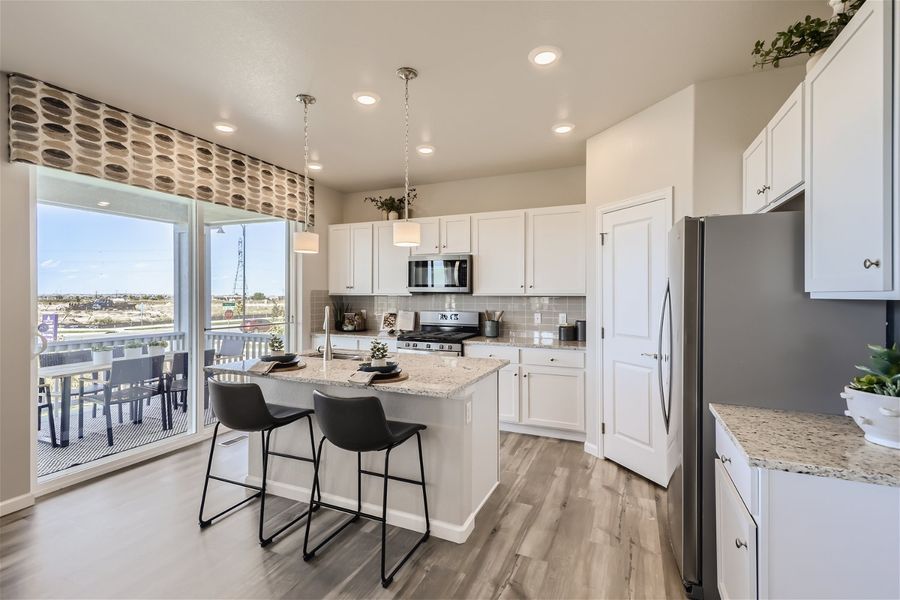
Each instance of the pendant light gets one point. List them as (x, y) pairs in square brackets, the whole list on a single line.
[(406, 233), (306, 242)]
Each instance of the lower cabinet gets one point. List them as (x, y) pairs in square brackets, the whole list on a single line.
[(736, 539), (534, 394)]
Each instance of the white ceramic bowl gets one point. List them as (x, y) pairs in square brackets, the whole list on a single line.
[(878, 416)]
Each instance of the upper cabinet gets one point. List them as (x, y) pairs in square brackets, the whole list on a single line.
[(539, 251), (390, 262), (852, 207), (555, 251), (773, 163), (350, 259), (499, 245), (444, 235)]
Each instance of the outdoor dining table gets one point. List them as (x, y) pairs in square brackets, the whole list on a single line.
[(65, 373)]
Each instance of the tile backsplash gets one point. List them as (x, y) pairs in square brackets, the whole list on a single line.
[(518, 315)]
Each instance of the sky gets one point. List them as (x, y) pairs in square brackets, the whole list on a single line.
[(86, 252)]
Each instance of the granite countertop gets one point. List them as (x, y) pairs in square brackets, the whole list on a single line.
[(434, 376), (813, 444), (527, 341)]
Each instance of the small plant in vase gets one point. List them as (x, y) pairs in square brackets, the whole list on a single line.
[(378, 353), (873, 399), (157, 347), (276, 344), (392, 207), (101, 354), (134, 349)]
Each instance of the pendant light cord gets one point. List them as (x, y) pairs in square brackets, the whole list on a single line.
[(306, 161), (406, 152)]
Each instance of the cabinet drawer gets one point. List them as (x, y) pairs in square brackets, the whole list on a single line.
[(735, 464), (487, 351), (736, 546), (553, 358)]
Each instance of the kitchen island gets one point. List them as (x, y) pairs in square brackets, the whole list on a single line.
[(456, 398)]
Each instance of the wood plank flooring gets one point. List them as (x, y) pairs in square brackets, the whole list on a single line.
[(562, 524)]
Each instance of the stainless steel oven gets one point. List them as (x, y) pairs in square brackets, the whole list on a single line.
[(451, 273)]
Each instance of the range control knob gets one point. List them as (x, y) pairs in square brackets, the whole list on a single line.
[(428, 345), (415, 345)]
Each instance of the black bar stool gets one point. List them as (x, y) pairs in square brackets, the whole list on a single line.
[(359, 425), (241, 407)]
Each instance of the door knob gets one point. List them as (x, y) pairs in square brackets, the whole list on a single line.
[(652, 355), (869, 263)]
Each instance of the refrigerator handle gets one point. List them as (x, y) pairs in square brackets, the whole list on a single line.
[(663, 398)]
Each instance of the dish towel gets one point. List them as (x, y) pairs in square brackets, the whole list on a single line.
[(262, 367), (363, 377)]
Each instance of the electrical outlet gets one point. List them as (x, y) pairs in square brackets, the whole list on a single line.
[(562, 318), (537, 318), (468, 412)]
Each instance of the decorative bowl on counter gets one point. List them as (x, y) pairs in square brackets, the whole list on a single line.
[(877, 415), (390, 367)]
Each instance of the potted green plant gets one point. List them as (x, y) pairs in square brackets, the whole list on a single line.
[(378, 353), (276, 345), (134, 349), (157, 347), (873, 399), (391, 206), (101, 354), (810, 36)]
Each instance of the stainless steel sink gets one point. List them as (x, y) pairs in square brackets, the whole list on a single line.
[(336, 355)]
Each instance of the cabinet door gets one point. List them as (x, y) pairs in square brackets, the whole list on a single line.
[(361, 259), (508, 394), (391, 262), (456, 235), (735, 541), (755, 175), (499, 240), (555, 251), (784, 136), (339, 259), (848, 159), (553, 397), (431, 237)]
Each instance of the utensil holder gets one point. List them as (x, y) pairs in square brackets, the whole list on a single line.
[(492, 329)]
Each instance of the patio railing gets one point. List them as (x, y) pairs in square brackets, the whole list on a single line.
[(255, 344)]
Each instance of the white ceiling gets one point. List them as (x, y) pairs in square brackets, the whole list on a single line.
[(478, 100)]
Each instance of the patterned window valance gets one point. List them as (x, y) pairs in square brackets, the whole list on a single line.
[(57, 128)]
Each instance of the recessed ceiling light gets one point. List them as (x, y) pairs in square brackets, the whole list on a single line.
[(366, 98), (563, 128), (314, 166), (544, 56), (103, 203), (223, 127), (425, 150)]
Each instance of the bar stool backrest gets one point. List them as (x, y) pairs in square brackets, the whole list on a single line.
[(240, 406), (355, 424)]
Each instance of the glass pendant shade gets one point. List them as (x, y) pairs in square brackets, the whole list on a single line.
[(306, 242), (407, 234)]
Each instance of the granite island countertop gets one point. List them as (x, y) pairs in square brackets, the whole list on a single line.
[(813, 444), (434, 376), (526, 341)]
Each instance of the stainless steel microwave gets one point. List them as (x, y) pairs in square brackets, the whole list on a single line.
[(443, 273)]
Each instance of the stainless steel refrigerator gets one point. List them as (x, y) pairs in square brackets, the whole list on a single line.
[(744, 332)]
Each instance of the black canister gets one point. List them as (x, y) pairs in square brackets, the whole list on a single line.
[(581, 326), (567, 333)]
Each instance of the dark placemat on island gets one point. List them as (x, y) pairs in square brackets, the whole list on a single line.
[(392, 378)]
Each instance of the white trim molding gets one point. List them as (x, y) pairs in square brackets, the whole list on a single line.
[(16, 504)]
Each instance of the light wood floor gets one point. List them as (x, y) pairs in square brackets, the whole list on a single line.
[(562, 524)]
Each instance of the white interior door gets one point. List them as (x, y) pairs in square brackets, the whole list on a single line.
[(633, 289)]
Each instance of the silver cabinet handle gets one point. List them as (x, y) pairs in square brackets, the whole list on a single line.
[(869, 263), (531, 286), (652, 355), (739, 543), (522, 286), (445, 245), (552, 360), (724, 459), (525, 375), (766, 187), (760, 191)]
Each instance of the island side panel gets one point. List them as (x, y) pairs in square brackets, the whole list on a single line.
[(484, 431)]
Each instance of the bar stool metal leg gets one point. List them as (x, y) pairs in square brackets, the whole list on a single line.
[(207, 522)]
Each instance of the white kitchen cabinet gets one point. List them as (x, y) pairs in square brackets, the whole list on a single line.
[(784, 149), (499, 260), (755, 176), (852, 208), (508, 394), (553, 397), (444, 235), (456, 235), (430, 242), (350, 259), (391, 263), (555, 251), (736, 541)]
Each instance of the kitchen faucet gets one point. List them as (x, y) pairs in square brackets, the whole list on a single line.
[(327, 352)]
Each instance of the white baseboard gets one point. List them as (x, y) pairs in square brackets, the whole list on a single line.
[(440, 529), (592, 449), (15, 504), (572, 436)]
